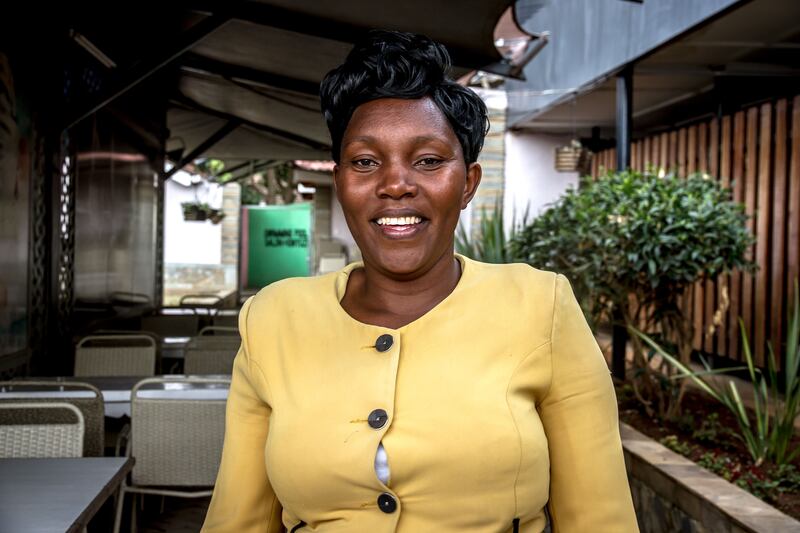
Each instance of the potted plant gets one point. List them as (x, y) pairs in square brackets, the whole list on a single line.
[(197, 211), (193, 211)]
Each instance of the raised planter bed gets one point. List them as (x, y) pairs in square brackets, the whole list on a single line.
[(671, 493)]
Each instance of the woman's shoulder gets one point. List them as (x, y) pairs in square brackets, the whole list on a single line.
[(521, 275), (292, 294)]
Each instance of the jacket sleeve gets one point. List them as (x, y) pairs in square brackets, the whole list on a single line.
[(243, 500), (588, 482)]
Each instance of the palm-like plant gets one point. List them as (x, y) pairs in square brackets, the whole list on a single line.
[(769, 436), (490, 243)]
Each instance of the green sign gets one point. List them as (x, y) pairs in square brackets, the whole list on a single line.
[(278, 242)]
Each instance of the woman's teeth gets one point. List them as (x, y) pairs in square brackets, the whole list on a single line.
[(398, 221)]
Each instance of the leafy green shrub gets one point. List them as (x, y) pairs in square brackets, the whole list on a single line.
[(634, 243)]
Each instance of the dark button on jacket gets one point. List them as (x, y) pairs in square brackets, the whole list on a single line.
[(377, 419), (383, 343), (387, 503)]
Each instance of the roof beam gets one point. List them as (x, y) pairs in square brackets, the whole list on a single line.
[(215, 137), (299, 139), (234, 168), (145, 68), (252, 170), (196, 62), (304, 23)]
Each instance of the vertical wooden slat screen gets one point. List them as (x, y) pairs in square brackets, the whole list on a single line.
[(682, 152), (696, 303), (755, 153), (750, 190), (778, 245), (663, 146), (724, 281), (793, 244), (672, 159), (711, 147), (735, 312), (764, 213)]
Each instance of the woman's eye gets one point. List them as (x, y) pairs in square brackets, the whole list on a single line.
[(430, 162), (364, 163)]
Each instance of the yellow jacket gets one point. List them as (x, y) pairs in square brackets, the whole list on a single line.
[(498, 403)]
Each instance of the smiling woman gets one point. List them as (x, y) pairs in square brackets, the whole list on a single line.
[(418, 390)]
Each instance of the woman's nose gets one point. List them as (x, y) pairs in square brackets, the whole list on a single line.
[(396, 181)]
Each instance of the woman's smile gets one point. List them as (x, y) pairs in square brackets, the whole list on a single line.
[(402, 224)]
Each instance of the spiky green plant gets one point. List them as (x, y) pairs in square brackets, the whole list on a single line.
[(490, 243), (769, 435)]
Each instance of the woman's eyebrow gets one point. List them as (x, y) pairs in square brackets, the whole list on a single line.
[(424, 139), (416, 141), (360, 139)]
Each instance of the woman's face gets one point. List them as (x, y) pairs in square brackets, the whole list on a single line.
[(402, 183)]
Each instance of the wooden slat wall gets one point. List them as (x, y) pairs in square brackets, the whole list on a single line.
[(750, 173), (755, 153)]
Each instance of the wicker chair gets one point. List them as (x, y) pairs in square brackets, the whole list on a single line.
[(207, 304), (177, 444), (116, 355), (226, 320), (86, 397), (172, 325), (46, 429), (219, 331), (210, 355)]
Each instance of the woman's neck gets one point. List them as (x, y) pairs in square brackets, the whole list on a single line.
[(379, 299)]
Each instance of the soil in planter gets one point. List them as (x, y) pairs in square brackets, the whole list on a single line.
[(706, 435)]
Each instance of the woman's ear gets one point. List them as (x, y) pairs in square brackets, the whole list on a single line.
[(474, 174)]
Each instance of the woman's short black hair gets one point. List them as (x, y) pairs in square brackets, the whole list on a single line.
[(389, 64)]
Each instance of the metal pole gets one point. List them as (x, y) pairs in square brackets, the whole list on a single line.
[(624, 126), (624, 117)]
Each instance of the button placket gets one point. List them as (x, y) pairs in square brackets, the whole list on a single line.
[(388, 345)]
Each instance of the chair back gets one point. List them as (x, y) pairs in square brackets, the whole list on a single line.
[(204, 304), (40, 429), (115, 355), (86, 397), (219, 331), (227, 320), (177, 441), (210, 355), (172, 325)]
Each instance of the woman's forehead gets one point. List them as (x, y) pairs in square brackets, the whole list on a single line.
[(413, 120)]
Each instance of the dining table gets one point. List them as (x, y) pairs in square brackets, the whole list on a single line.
[(49, 495)]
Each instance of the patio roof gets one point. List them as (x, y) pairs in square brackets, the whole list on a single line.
[(748, 53), (247, 73)]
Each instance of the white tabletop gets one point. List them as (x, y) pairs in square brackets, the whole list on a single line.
[(55, 495)]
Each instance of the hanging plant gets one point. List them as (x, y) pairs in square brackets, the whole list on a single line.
[(216, 216), (199, 212), (193, 211)]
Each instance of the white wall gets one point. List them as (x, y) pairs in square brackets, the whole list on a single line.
[(531, 178), (341, 232), (191, 242)]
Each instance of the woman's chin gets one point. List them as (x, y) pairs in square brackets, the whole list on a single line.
[(404, 263)]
